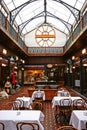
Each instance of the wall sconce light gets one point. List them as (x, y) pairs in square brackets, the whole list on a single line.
[(4, 51), (84, 64), (84, 51), (49, 65), (73, 67), (15, 67), (16, 57), (0, 58), (67, 69), (22, 68), (4, 65), (73, 57), (22, 61)]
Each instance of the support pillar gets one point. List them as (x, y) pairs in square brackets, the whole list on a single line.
[(81, 81)]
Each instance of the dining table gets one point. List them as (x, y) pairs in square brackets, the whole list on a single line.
[(38, 94), (78, 119), (11, 117), (56, 99), (27, 101), (63, 93)]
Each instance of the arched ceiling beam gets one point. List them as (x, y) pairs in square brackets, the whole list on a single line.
[(73, 10), (45, 9), (14, 12), (57, 28), (68, 25), (41, 23), (22, 26)]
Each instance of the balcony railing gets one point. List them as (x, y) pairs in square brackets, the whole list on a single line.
[(12, 32), (82, 25)]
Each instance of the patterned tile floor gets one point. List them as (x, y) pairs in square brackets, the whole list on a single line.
[(49, 121)]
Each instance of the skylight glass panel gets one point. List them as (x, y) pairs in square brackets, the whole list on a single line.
[(70, 2), (8, 2), (60, 17), (79, 4), (19, 2), (58, 24), (55, 11), (28, 12), (36, 7), (60, 11), (36, 22), (11, 6)]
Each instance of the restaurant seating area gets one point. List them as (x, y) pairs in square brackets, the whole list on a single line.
[(54, 115)]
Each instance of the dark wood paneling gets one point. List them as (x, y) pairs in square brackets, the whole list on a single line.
[(49, 93), (45, 60)]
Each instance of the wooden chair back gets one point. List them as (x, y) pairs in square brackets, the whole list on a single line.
[(79, 104), (65, 109), (65, 102), (18, 105), (27, 125), (2, 126), (36, 106), (86, 125), (67, 128)]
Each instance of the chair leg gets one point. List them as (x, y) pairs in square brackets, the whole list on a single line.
[(57, 117)]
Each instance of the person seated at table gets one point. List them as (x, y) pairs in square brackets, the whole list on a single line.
[(8, 85)]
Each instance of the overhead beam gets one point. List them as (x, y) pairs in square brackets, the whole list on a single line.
[(15, 12), (45, 11), (23, 25), (75, 12)]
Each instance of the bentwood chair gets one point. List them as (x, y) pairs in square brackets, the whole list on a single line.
[(79, 104), (38, 96), (36, 106), (27, 126), (86, 125), (67, 128), (18, 105), (2, 126), (64, 110), (65, 93), (22, 107)]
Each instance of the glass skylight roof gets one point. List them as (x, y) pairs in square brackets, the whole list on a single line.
[(36, 12)]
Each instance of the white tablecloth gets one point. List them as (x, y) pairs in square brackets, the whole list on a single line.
[(11, 117), (38, 94), (27, 101), (78, 119), (56, 100), (63, 93)]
